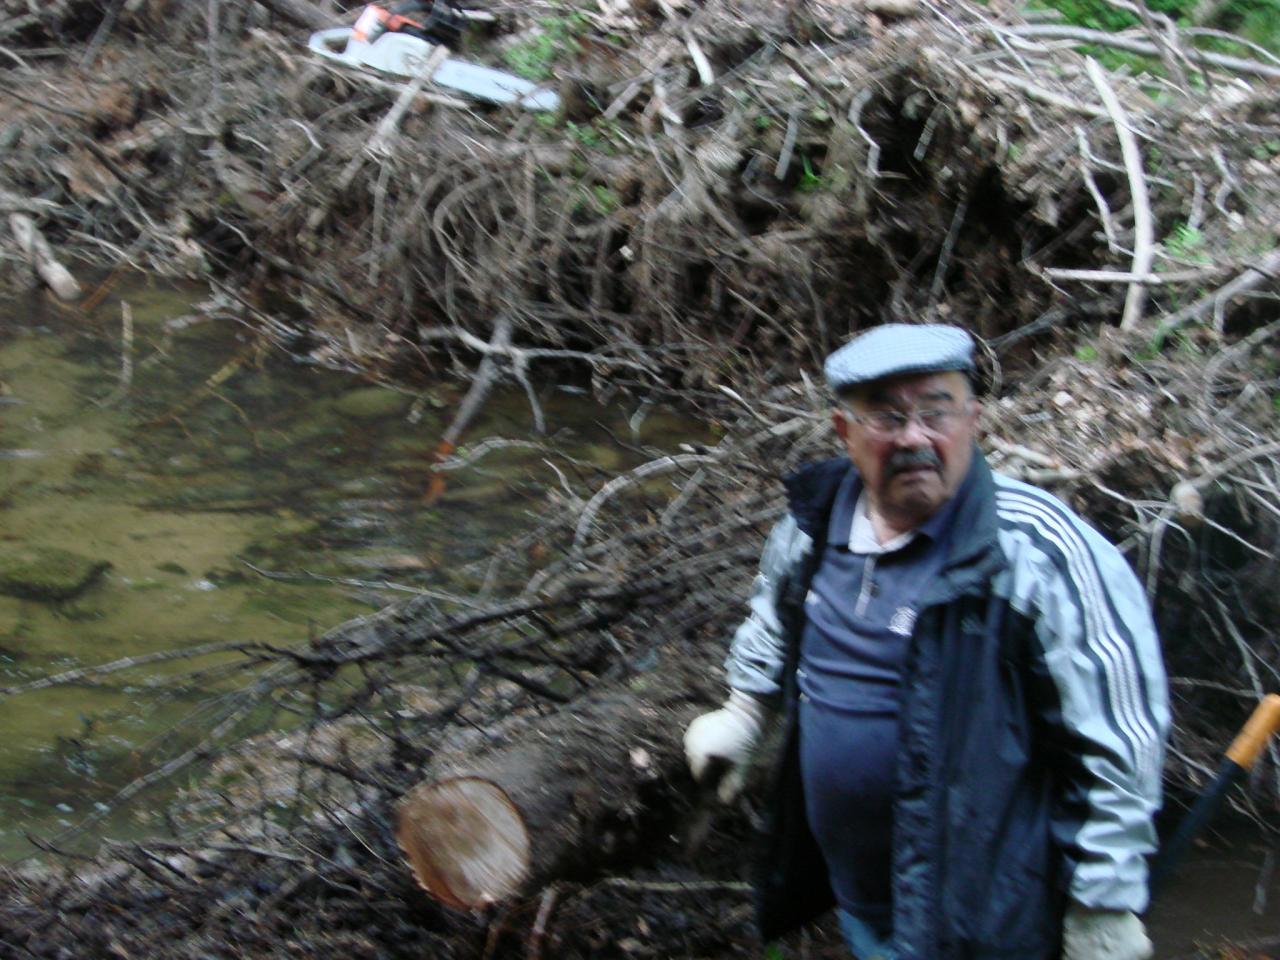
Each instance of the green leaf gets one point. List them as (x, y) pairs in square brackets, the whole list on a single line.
[(1186, 242), (810, 182)]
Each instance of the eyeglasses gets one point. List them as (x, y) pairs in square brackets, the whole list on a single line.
[(935, 421)]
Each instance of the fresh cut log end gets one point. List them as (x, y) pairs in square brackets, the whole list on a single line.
[(464, 839)]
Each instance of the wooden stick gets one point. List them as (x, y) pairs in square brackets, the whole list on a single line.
[(645, 470), (1119, 42), (482, 383), (788, 144), (126, 356), (1123, 276), (12, 203), (533, 950), (1086, 171), (1022, 452), (81, 675), (1170, 49), (700, 61), (1143, 229), (1034, 90), (38, 253), (1251, 278)]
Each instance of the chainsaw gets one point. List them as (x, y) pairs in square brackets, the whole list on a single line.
[(400, 41)]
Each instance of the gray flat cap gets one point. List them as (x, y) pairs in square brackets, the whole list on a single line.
[(897, 349)]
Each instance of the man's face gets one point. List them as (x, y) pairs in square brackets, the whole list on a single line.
[(910, 469)]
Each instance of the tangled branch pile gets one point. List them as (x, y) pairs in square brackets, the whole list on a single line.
[(730, 190)]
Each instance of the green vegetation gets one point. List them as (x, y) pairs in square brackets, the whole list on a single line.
[(597, 199), (1258, 20), (583, 133), (1100, 15), (1180, 341), (810, 182), (1267, 149), (535, 58), (599, 133), (1087, 353), (605, 198), (1254, 20), (1186, 243)]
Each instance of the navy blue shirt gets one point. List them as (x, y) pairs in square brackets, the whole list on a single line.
[(860, 612)]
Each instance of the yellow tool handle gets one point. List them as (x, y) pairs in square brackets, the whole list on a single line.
[(1253, 737)]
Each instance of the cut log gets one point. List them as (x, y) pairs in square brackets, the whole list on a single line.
[(38, 254), (465, 840), (560, 798)]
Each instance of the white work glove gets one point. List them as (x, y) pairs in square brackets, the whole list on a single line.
[(729, 735), (1103, 935)]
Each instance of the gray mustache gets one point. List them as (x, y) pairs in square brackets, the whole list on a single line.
[(908, 459)]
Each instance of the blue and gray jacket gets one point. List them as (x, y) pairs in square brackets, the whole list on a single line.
[(1032, 724)]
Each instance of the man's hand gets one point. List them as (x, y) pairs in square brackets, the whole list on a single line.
[(729, 734), (1103, 935)]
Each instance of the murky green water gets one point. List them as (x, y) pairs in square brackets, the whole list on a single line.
[(176, 482)]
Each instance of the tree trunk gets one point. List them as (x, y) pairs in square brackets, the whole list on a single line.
[(563, 795)]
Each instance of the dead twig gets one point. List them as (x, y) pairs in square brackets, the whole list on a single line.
[(1133, 45), (1251, 279), (1143, 229)]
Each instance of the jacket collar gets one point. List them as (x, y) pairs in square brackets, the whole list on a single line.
[(811, 493), (974, 555)]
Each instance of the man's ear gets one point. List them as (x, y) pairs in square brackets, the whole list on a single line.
[(841, 423)]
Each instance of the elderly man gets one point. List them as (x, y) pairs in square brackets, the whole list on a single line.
[(973, 691)]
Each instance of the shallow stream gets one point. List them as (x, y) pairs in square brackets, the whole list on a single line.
[(220, 453)]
